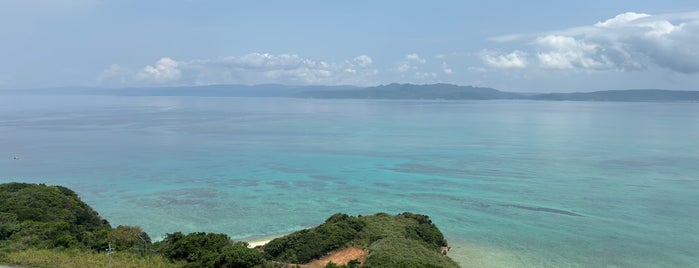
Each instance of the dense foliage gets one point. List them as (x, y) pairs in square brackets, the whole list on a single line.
[(208, 250), (41, 216), (41, 203), (424, 230), (37, 217), (306, 245)]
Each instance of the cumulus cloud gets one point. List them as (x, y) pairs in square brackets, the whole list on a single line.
[(627, 42), (409, 63), (446, 69), (404, 67), (622, 19), (165, 70), (415, 57), (363, 61), (257, 68), (564, 52), (252, 68), (516, 59)]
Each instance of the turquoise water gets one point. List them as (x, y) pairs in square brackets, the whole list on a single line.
[(510, 183)]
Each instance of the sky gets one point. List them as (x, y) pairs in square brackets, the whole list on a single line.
[(522, 46)]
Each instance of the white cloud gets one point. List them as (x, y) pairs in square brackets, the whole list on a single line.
[(564, 52), (264, 61), (252, 68), (446, 69), (363, 61), (622, 19), (409, 63), (404, 67), (165, 70), (629, 41), (255, 68), (415, 57), (516, 59)]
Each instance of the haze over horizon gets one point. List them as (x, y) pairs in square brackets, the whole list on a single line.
[(538, 47)]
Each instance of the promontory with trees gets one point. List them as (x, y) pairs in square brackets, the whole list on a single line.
[(49, 226)]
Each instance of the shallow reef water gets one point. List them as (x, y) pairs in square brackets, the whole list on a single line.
[(510, 183)]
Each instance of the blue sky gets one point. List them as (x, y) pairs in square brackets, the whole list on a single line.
[(534, 46)]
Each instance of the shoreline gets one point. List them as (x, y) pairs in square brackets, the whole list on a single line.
[(261, 241), (257, 243)]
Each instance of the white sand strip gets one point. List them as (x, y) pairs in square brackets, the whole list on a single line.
[(253, 244)]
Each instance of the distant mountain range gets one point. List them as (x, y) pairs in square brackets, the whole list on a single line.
[(411, 91), (391, 91), (623, 95)]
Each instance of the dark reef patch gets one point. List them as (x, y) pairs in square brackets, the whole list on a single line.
[(335, 180), (543, 209)]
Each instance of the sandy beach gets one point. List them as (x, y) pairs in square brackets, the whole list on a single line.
[(261, 241), (253, 244)]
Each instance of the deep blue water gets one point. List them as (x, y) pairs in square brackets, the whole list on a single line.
[(510, 183)]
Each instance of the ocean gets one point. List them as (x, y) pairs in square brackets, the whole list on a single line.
[(510, 183)]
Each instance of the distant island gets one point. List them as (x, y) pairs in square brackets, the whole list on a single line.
[(391, 91), (49, 226)]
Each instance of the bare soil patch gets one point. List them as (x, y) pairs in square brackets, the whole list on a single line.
[(340, 257)]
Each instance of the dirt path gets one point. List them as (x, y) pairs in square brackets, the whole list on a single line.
[(340, 257)]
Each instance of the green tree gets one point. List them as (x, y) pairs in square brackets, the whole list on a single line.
[(208, 250), (306, 245)]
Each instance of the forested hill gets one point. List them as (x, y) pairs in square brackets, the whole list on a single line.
[(49, 226), (390, 91), (454, 92), (412, 91)]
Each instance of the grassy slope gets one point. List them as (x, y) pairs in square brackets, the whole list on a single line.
[(75, 258), (402, 244)]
